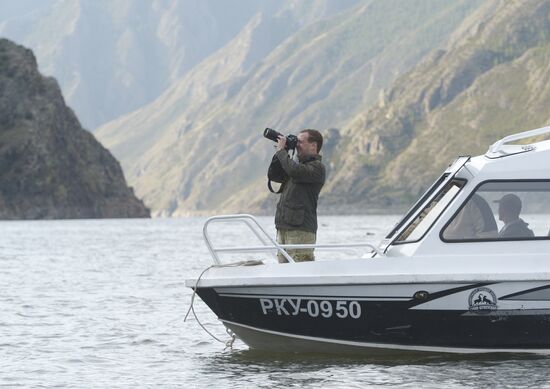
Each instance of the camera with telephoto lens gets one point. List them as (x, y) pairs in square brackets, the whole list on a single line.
[(291, 140)]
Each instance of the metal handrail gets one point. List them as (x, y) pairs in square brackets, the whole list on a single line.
[(496, 147), (251, 222), (268, 242)]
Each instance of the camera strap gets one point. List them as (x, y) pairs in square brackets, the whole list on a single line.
[(276, 173)]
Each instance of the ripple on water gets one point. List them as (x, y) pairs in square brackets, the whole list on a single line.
[(100, 303)]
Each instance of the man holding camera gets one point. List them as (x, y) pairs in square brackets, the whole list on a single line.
[(296, 215)]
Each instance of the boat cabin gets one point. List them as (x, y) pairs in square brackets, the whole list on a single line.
[(490, 204)]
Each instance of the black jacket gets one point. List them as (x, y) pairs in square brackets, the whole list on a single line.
[(297, 207), (516, 229)]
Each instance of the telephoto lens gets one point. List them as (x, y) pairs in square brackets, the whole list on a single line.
[(272, 134), (291, 140)]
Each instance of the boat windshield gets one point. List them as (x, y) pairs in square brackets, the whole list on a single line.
[(401, 232), (431, 211), (417, 205)]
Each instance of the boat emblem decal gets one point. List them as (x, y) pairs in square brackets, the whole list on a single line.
[(482, 300)]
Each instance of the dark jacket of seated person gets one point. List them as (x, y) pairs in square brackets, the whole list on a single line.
[(516, 229), (509, 209)]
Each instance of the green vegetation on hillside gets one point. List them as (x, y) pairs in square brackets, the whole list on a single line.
[(489, 84), (198, 148), (49, 166)]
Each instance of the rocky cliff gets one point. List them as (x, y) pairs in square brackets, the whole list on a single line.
[(405, 86), (198, 148), (49, 166), (491, 80)]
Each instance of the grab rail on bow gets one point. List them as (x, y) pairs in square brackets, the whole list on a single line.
[(268, 243)]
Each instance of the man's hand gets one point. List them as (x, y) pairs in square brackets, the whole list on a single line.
[(281, 143)]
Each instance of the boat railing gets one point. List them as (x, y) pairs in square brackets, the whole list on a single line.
[(500, 148), (268, 244)]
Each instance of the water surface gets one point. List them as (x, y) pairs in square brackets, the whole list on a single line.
[(100, 303)]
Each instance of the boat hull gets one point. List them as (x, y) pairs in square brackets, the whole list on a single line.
[(459, 317)]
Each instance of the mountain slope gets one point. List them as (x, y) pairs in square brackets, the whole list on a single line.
[(491, 82), (198, 147), (112, 57), (49, 166)]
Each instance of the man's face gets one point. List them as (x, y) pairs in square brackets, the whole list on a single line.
[(504, 214), (304, 147)]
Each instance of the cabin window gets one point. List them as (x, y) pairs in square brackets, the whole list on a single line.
[(429, 214), (502, 210)]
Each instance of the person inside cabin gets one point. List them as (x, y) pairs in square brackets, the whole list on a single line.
[(509, 208), (474, 221)]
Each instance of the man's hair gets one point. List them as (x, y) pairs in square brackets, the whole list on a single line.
[(314, 136)]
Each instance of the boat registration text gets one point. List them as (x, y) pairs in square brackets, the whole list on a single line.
[(286, 306)]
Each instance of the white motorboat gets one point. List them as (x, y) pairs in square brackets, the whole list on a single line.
[(449, 277)]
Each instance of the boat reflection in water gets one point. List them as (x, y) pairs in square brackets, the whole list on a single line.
[(464, 271)]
